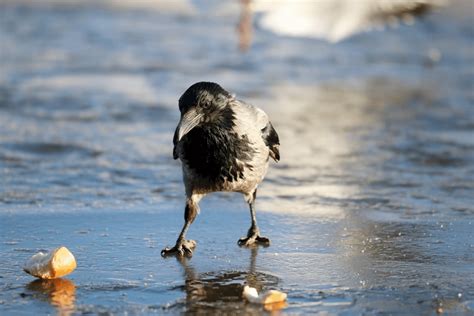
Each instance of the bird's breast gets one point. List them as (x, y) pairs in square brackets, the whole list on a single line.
[(217, 154)]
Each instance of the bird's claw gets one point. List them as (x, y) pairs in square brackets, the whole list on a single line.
[(254, 240), (181, 249)]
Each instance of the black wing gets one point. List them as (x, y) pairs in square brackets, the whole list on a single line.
[(270, 137), (175, 144)]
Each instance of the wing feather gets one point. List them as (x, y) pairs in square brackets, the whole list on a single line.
[(268, 133), (271, 139), (175, 144)]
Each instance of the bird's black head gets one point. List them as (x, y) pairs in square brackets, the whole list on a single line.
[(207, 97), (203, 102)]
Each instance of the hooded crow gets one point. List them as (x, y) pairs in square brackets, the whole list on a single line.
[(224, 144)]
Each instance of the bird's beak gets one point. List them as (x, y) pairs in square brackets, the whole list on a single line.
[(188, 121)]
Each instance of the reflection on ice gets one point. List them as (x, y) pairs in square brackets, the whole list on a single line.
[(340, 144), (61, 293), (321, 133), (222, 290)]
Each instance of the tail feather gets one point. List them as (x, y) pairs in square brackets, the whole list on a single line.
[(272, 140)]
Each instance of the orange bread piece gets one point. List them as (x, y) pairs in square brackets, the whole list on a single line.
[(272, 299), (272, 296), (51, 265)]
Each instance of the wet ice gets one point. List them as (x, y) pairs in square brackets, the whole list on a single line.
[(370, 209)]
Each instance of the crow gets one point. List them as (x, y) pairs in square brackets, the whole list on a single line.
[(224, 144)]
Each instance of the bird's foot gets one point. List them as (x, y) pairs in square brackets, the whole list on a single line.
[(254, 239), (181, 249)]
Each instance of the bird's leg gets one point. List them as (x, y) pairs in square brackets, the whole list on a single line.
[(184, 247), (253, 234)]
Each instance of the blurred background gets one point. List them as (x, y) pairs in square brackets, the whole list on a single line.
[(373, 101)]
